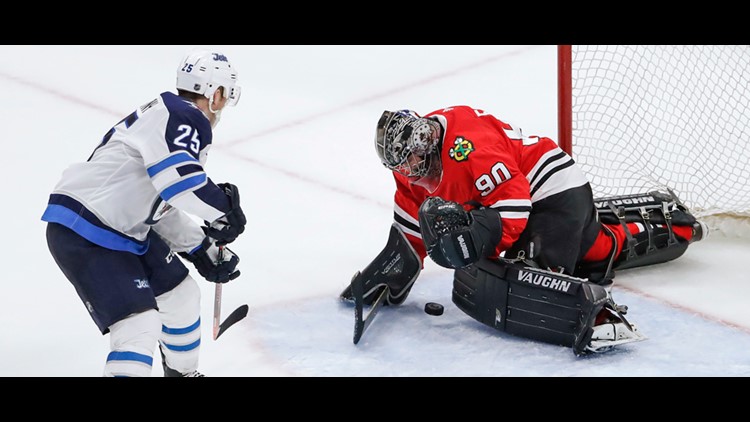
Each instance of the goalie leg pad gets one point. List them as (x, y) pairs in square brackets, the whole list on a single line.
[(531, 303), (649, 248), (655, 244), (397, 266)]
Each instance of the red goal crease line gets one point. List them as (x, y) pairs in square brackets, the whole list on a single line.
[(745, 329)]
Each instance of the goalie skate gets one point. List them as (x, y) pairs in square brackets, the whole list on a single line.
[(614, 331)]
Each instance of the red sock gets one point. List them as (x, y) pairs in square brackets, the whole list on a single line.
[(601, 248), (684, 232)]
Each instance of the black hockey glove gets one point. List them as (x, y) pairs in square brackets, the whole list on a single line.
[(226, 229), (206, 261), (455, 238)]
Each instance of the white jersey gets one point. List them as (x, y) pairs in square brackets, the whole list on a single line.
[(147, 172)]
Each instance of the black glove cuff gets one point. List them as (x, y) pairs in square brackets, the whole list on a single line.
[(486, 229)]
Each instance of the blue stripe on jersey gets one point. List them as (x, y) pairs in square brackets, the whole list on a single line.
[(102, 237), (182, 186), (83, 212), (178, 331), (170, 161), (185, 348), (130, 356)]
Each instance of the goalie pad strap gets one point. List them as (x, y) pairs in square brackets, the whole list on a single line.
[(657, 206), (620, 214), (655, 244)]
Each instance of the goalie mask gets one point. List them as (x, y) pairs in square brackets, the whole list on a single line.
[(409, 145)]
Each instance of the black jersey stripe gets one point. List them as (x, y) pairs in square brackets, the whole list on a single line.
[(516, 208), (547, 162), (550, 174), (406, 223)]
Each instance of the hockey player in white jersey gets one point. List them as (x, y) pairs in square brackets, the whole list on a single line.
[(117, 221)]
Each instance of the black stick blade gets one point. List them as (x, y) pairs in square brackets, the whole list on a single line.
[(361, 322), (357, 294), (233, 318)]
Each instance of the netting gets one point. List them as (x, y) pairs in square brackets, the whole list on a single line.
[(651, 116)]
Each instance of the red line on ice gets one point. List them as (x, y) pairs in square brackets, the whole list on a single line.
[(684, 308), (62, 95), (358, 102)]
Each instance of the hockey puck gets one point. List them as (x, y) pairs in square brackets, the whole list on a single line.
[(433, 308)]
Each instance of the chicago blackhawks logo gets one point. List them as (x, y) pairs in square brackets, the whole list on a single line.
[(463, 147)]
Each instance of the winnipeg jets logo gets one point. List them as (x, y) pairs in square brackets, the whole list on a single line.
[(165, 207), (158, 211), (463, 147), (141, 283)]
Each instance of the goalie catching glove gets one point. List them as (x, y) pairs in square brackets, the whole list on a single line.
[(227, 228), (455, 238), (206, 260)]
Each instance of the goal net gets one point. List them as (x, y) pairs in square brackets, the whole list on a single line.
[(641, 117)]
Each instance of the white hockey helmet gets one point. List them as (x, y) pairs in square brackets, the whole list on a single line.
[(203, 72)]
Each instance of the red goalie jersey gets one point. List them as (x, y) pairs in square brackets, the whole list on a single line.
[(487, 161)]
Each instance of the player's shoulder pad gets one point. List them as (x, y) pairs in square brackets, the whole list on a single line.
[(187, 127)]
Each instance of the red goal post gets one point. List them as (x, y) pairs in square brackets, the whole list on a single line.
[(564, 99)]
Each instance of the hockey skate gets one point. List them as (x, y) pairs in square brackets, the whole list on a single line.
[(171, 373)]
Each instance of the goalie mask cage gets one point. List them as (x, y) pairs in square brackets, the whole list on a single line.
[(640, 117)]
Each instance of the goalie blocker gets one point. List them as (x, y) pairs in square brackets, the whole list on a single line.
[(542, 305)]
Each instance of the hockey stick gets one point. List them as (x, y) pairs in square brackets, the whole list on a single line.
[(217, 309), (361, 323), (217, 299), (234, 317)]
